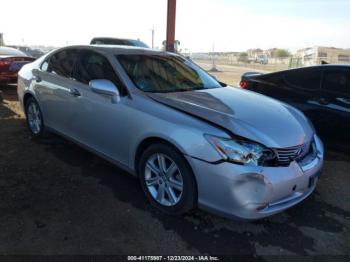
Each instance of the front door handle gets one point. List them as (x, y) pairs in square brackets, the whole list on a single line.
[(322, 101), (74, 92), (37, 79)]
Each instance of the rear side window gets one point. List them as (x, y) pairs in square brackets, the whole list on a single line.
[(304, 79), (92, 66), (62, 62), (275, 78), (337, 81)]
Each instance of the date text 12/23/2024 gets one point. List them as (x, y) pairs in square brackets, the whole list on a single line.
[(173, 258)]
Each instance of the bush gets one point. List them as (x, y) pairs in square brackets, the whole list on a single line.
[(243, 57), (279, 53)]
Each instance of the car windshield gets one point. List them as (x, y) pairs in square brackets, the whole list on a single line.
[(165, 73)]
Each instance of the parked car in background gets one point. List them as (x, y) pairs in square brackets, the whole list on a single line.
[(29, 51), (11, 61), (262, 59), (190, 140), (321, 92), (117, 41)]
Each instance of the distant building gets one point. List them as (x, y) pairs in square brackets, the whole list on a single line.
[(270, 52), (315, 55), (255, 53)]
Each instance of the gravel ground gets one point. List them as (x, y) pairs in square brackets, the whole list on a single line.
[(56, 198)]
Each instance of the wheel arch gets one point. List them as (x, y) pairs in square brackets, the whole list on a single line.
[(147, 142), (26, 96)]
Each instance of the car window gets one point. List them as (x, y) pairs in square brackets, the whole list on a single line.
[(304, 78), (44, 65), (62, 62), (337, 81), (92, 66)]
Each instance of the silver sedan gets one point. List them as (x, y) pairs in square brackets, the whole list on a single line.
[(191, 140)]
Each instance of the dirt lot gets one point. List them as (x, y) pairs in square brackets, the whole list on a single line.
[(228, 74), (56, 198)]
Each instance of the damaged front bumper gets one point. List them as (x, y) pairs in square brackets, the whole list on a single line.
[(253, 192)]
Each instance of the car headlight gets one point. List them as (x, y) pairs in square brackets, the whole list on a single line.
[(239, 151)]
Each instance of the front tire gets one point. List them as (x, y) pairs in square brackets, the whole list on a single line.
[(34, 118), (167, 179)]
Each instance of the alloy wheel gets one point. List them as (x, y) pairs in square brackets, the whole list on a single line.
[(34, 118), (163, 179)]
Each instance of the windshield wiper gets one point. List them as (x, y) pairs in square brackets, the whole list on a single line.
[(176, 90), (188, 89)]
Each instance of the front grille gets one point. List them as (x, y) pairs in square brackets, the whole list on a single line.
[(289, 154)]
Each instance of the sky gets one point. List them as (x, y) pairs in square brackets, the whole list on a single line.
[(201, 25)]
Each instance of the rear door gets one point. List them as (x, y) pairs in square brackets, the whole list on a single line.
[(53, 86), (336, 107)]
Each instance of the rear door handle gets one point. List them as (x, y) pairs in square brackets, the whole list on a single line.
[(74, 92), (321, 101)]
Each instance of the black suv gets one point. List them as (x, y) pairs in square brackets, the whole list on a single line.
[(117, 41), (321, 92)]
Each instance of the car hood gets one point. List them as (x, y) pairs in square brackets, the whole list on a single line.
[(243, 113)]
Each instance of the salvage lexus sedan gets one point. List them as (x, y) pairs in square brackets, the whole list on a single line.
[(192, 141)]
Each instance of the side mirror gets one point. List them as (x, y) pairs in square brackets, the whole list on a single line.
[(105, 87)]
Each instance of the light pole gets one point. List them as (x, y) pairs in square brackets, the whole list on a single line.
[(213, 68)]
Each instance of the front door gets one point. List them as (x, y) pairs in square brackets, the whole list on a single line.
[(336, 107), (99, 123)]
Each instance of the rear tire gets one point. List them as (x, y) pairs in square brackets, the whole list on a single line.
[(34, 117), (167, 179)]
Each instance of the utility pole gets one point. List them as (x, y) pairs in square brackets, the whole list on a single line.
[(213, 68), (170, 31), (2, 39), (152, 37)]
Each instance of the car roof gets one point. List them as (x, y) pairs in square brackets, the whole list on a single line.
[(332, 66), (113, 38), (326, 66), (119, 49), (9, 51)]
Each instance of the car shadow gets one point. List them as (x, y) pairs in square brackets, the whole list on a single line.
[(202, 231), (5, 112)]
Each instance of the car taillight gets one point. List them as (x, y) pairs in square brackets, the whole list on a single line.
[(244, 84), (4, 62)]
